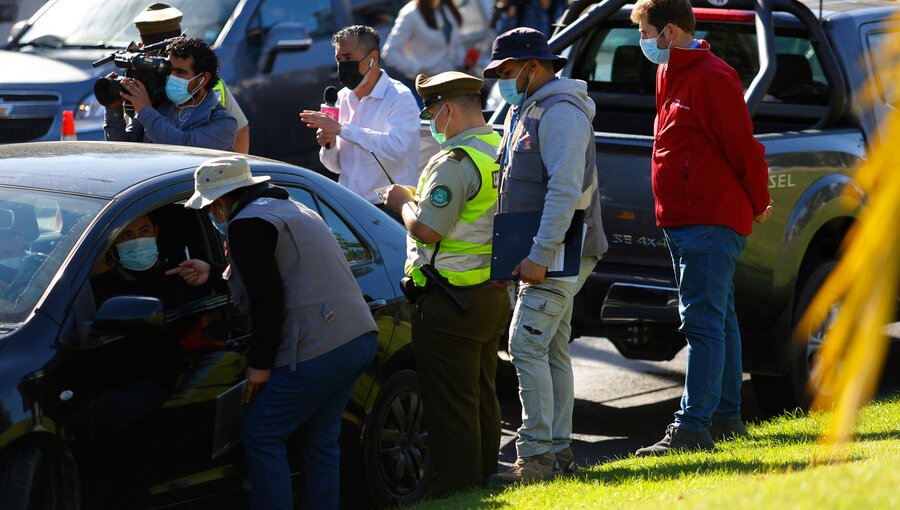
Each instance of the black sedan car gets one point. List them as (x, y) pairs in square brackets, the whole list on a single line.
[(123, 403)]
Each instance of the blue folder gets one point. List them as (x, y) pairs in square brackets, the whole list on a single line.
[(514, 235)]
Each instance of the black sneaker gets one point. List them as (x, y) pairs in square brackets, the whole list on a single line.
[(678, 439), (723, 430)]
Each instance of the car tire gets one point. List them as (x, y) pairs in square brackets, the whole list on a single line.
[(30, 479), (396, 461), (790, 391)]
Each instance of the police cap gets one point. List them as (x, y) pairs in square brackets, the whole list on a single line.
[(159, 19), (444, 86)]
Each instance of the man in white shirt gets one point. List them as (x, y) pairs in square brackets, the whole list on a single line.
[(377, 115)]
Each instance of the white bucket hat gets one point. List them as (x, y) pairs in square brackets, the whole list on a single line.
[(217, 177)]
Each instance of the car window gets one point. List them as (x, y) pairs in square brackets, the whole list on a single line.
[(887, 83), (37, 232), (613, 62), (316, 16), (303, 196), (97, 23), (376, 13), (175, 234), (354, 248)]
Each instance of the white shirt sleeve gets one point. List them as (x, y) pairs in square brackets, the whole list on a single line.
[(393, 139)]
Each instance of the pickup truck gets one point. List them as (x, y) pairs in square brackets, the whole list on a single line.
[(803, 67)]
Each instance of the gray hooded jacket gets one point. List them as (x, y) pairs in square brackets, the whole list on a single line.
[(549, 164)]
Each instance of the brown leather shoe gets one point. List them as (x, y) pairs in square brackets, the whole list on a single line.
[(565, 460), (526, 470)]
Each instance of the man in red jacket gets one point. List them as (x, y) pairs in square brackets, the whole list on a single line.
[(709, 180)]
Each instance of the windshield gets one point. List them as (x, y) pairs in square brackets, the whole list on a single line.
[(100, 23), (37, 232)]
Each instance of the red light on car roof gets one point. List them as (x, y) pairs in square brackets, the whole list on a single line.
[(710, 14)]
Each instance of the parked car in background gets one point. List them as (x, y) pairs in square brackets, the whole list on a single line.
[(804, 76), (276, 57), (118, 400)]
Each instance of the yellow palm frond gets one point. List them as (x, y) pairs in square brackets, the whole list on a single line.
[(864, 282)]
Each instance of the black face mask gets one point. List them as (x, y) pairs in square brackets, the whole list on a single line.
[(349, 75)]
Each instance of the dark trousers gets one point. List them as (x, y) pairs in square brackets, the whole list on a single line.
[(456, 359)]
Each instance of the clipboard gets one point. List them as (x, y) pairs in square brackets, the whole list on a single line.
[(230, 409), (514, 235)]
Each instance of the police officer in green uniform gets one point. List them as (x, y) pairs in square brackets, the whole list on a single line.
[(459, 314)]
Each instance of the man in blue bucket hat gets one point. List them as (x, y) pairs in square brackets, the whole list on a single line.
[(547, 161)]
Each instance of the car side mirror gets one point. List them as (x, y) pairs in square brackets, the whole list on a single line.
[(283, 37), (128, 315)]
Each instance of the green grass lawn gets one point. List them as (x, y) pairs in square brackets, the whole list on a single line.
[(774, 468)]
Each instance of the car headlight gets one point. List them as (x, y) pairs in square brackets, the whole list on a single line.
[(89, 109)]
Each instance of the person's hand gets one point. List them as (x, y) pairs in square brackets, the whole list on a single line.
[(530, 272), (194, 272), (500, 284), (255, 380), (763, 216), (318, 120), (117, 104), (136, 93), (396, 196), (325, 139)]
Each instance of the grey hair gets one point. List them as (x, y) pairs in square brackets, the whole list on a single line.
[(367, 36)]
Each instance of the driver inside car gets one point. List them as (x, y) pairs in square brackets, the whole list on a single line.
[(138, 270)]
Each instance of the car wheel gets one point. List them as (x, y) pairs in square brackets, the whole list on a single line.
[(396, 460), (30, 479), (791, 391)]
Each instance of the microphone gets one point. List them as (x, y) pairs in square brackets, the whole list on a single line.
[(329, 99)]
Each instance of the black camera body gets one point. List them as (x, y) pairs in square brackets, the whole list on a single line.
[(152, 71)]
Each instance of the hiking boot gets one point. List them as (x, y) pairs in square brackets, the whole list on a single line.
[(526, 470), (678, 439), (565, 461), (723, 430)]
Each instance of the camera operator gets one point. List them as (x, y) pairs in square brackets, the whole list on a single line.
[(194, 117), (162, 21)]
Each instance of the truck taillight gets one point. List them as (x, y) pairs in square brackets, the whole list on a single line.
[(710, 14)]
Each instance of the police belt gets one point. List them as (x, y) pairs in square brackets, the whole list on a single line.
[(436, 282)]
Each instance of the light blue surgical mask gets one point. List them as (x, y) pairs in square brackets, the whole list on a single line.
[(438, 137), (138, 254), (509, 89), (221, 227), (177, 89), (653, 52)]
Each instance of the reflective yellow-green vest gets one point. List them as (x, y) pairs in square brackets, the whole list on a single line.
[(219, 87), (464, 256)]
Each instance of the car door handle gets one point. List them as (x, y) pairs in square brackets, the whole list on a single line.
[(376, 304)]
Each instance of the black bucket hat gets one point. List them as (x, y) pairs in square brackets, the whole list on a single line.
[(521, 44)]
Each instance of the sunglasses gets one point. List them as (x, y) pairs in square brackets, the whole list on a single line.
[(428, 114)]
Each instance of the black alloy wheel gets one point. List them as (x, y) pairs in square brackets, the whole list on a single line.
[(396, 461)]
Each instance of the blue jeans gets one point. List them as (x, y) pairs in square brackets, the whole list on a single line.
[(704, 258), (310, 400)]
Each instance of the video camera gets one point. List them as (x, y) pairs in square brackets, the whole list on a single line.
[(152, 71)]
